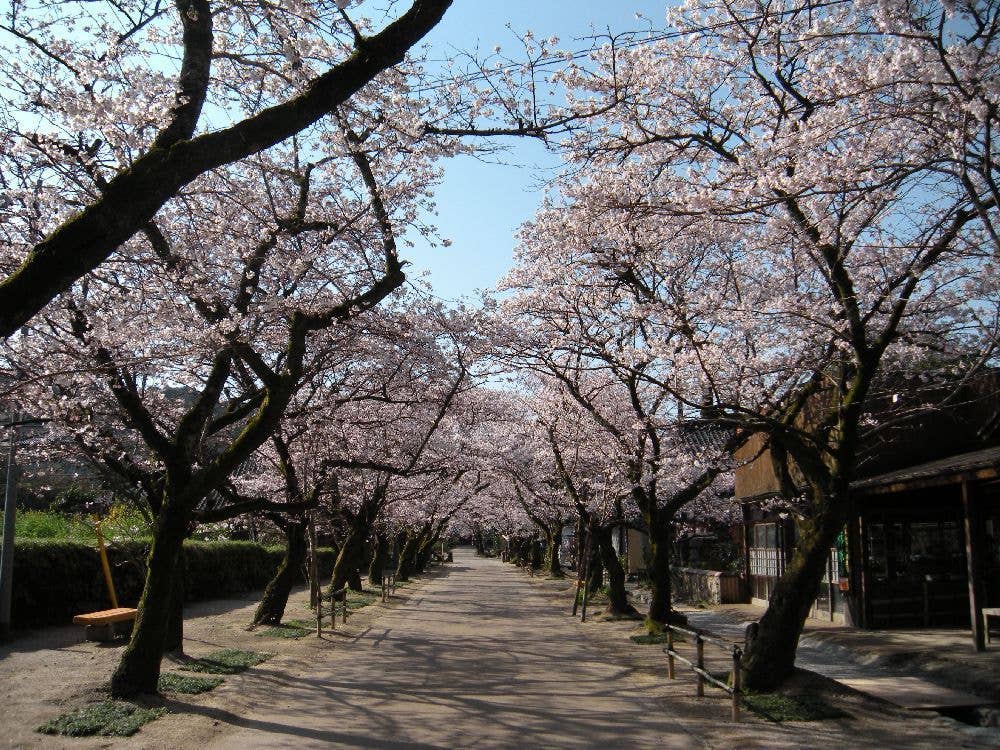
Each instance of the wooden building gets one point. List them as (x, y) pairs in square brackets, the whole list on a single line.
[(920, 548)]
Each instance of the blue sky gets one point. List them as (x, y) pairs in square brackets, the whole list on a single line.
[(480, 205)]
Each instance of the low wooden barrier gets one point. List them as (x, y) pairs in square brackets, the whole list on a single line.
[(341, 595), (698, 666)]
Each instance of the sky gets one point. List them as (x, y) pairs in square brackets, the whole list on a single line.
[(481, 205)]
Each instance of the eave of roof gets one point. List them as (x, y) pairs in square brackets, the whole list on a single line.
[(981, 464)]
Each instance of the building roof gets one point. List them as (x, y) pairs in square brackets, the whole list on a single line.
[(977, 463)]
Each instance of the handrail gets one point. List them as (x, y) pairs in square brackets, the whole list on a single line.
[(698, 666)]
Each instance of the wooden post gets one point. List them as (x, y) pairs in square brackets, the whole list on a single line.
[(831, 566), (700, 650), (862, 572), (976, 599), (583, 570), (671, 672), (105, 566), (737, 682), (314, 589)]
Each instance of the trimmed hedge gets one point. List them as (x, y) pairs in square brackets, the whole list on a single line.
[(55, 579)]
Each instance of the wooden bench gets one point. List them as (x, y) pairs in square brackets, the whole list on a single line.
[(107, 624)]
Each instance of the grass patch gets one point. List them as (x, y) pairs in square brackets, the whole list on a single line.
[(107, 719), (359, 599), (778, 707), (187, 684), (289, 629), (227, 661)]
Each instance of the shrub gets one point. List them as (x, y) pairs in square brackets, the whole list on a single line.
[(55, 579)]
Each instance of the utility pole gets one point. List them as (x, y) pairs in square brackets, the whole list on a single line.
[(9, 510), (7, 550)]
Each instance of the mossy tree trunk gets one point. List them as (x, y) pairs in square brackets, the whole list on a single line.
[(770, 656), (174, 641), (661, 611), (479, 542), (536, 554), (350, 559), (553, 538), (380, 559), (404, 569), (618, 603), (139, 669), (595, 572), (272, 605), (425, 548)]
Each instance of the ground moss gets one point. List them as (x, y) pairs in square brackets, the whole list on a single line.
[(289, 629), (780, 707), (227, 661), (107, 719), (187, 684)]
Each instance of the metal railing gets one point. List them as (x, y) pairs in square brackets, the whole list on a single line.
[(338, 595), (698, 665)]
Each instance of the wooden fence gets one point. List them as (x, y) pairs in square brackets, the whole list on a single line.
[(698, 665)]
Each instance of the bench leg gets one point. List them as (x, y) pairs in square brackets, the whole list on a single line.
[(101, 633), (109, 632)]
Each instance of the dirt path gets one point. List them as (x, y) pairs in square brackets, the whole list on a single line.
[(476, 659), (476, 654)]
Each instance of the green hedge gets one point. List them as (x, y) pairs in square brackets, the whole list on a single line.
[(55, 579)]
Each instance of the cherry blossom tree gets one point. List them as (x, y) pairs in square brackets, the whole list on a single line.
[(112, 109), (196, 340), (585, 330), (811, 186)]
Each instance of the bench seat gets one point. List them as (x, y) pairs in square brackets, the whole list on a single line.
[(108, 624), (105, 616)]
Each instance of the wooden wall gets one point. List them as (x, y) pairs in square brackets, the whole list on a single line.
[(756, 477)]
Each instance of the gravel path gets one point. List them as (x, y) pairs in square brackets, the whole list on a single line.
[(477, 659)]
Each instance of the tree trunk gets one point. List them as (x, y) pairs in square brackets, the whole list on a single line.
[(596, 570), (552, 539), (354, 578), (580, 543), (272, 605), (139, 669), (345, 569), (406, 554), (379, 560), (618, 603), (770, 657), (174, 640), (425, 550), (535, 552), (661, 610), (479, 542)]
